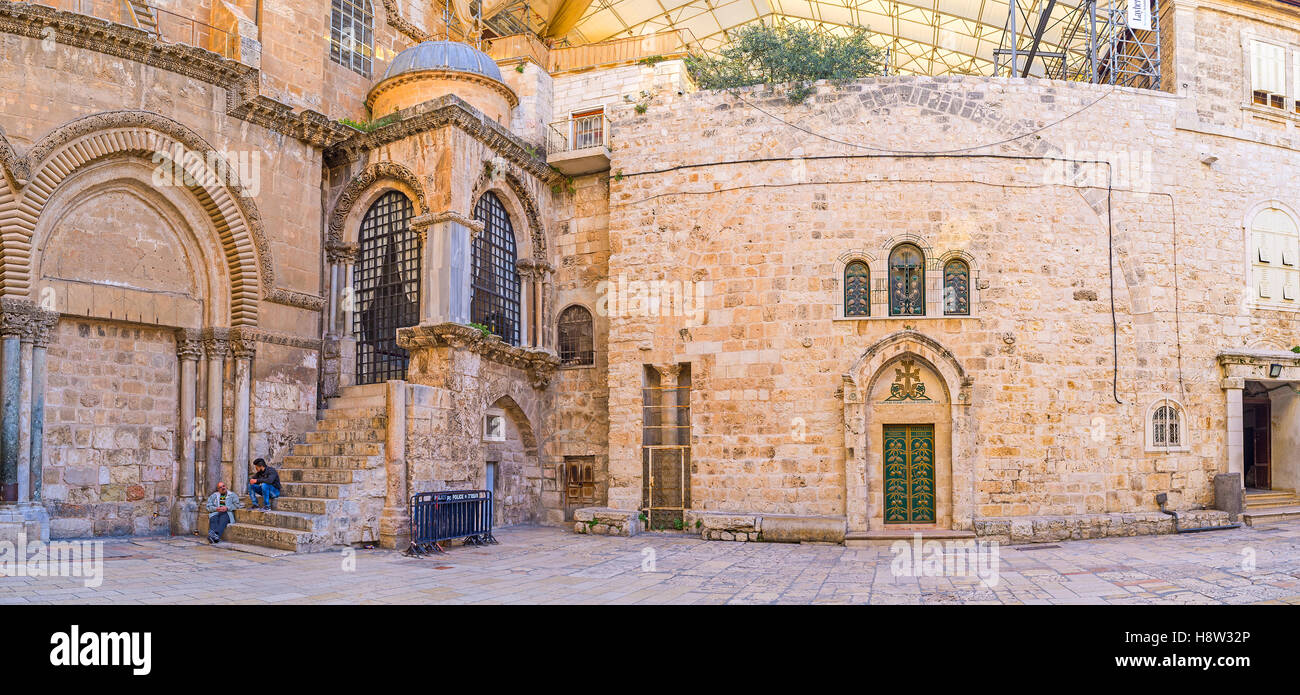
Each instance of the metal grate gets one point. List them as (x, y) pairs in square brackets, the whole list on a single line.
[(577, 346), (386, 288), (495, 279), (351, 40)]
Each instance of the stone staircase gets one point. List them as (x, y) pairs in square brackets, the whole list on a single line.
[(332, 485), (145, 17), (1266, 506)]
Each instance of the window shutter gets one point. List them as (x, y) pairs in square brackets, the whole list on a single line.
[(1267, 68)]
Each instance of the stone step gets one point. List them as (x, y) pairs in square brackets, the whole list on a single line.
[(335, 436), (356, 402), (1267, 516), (364, 390), (335, 461), (302, 505), (315, 475), (866, 539), (314, 490), (347, 448), (271, 537), (1272, 503), (295, 521), (352, 424), (349, 413)]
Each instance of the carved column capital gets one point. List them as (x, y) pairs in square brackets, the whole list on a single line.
[(189, 344), (342, 253), (16, 318), (216, 342), (668, 373), (243, 343), (43, 323)]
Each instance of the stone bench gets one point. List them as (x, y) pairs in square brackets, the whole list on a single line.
[(1047, 529), (606, 521)]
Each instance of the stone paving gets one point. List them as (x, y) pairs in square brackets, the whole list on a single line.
[(551, 565)]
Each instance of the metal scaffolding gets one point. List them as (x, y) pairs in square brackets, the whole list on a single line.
[(1100, 41)]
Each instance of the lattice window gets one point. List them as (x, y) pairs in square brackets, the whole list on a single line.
[(577, 342), (494, 276), (1165, 426), (857, 289), (386, 288), (352, 35), (906, 281), (956, 288)]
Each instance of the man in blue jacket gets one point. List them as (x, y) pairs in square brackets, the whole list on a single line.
[(221, 512)]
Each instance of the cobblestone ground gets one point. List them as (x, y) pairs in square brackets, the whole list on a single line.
[(548, 565)]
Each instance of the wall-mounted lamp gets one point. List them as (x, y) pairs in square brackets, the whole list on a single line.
[(1274, 371)]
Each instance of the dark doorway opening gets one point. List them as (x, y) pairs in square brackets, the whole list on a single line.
[(1256, 430)]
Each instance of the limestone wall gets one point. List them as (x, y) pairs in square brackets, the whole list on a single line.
[(762, 246)]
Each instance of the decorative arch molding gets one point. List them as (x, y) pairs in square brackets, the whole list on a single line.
[(405, 27), (951, 417), (518, 201), (142, 134), (361, 184), (919, 242), (517, 402)]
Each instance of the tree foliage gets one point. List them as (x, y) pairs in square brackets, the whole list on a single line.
[(793, 54)]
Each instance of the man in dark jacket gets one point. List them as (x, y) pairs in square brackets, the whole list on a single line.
[(265, 481)]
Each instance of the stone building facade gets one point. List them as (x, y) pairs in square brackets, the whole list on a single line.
[(1014, 307)]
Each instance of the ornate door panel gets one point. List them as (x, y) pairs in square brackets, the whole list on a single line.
[(909, 474)]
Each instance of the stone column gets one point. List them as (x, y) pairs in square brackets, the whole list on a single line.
[(668, 402), (1233, 388), (215, 345), (45, 321), (446, 241), (546, 322), (341, 258), (185, 509), (244, 346), (25, 416), (527, 301), (15, 324), (394, 520)]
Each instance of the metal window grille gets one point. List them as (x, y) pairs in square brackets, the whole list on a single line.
[(577, 345), (857, 289), (588, 129), (351, 35), (386, 288), (906, 281), (1165, 427), (495, 278), (956, 288), (666, 450)]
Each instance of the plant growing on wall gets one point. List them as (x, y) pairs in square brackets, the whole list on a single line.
[(370, 126), (788, 54)]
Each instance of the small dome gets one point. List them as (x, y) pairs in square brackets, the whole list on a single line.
[(443, 55)]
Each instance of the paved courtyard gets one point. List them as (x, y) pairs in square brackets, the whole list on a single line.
[(548, 565)]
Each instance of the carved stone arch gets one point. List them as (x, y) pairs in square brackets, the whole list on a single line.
[(519, 203), (949, 412), (918, 241), (365, 185), (510, 402), (157, 139)]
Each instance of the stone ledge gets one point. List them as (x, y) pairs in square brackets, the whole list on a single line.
[(606, 521), (1047, 529), (777, 528)]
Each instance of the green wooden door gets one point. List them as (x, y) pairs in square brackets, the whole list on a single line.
[(909, 474)]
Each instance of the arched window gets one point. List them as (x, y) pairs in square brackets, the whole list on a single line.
[(386, 288), (857, 289), (494, 277), (956, 288), (577, 342), (1275, 260), (351, 35), (906, 281), (1165, 431)]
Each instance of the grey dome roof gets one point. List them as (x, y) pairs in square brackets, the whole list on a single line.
[(443, 55)]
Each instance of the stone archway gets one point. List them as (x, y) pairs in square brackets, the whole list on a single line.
[(518, 485), (880, 389)]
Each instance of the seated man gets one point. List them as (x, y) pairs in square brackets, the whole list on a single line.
[(266, 481), (221, 512)]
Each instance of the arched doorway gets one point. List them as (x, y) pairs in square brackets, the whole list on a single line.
[(511, 469), (386, 288)]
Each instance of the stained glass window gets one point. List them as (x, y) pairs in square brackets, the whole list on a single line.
[(906, 281), (956, 288), (857, 289), (494, 277)]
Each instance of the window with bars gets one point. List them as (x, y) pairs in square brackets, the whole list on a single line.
[(857, 289), (576, 338), (906, 281), (956, 288), (1165, 427), (352, 35), (494, 277), (385, 288)]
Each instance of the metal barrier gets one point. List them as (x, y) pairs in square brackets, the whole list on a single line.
[(448, 515)]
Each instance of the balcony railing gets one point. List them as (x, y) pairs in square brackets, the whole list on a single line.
[(167, 26), (673, 43), (578, 133)]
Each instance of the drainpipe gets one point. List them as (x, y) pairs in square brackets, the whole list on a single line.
[(1162, 498)]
